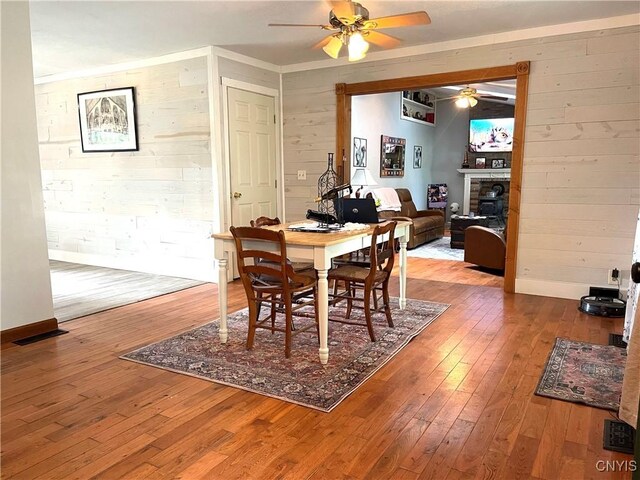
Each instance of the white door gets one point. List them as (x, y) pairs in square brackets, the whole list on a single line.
[(252, 155)]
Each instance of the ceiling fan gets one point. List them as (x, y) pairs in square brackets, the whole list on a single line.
[(352, 26), (469, 96)]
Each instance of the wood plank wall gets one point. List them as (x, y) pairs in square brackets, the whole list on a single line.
[(581, 182), (149, 210)]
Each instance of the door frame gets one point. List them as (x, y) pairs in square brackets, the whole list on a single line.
[(268, 92), (518, 71)]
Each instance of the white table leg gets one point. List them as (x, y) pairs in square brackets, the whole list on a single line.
[(323, 315), (222, 298), (403, 273)]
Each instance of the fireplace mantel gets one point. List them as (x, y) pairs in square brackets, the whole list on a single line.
[(481, 173)]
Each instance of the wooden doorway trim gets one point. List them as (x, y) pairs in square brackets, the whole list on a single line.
[(519, 71)]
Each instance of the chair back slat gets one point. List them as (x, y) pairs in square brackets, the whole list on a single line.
[(266, 266), (383, 253)]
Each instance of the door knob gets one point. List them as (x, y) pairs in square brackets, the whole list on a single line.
[(237, 194), (635, 272)]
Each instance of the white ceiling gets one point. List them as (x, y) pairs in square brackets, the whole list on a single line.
[(77, 35)]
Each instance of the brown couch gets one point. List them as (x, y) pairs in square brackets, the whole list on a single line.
[(426, 225), (484, 247)]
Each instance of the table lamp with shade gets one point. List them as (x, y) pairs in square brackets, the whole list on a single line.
[(363, 178)]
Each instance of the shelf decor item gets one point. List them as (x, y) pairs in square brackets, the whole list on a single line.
[(330, 188), (392, 152), (497, 163), (108, 120), (480, 162)]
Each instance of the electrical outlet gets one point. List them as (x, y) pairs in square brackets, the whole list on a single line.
[(613, 276), (302, 174)]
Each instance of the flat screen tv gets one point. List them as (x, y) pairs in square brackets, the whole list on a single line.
[(491, 135)]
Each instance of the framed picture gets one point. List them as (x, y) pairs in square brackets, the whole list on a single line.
[(417, 156), (359, 152), (108, 120), (437, 195), (480, 162), (392, 151), (497, 163)]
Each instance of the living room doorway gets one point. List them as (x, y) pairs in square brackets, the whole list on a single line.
[(455, 164), (518, 71)]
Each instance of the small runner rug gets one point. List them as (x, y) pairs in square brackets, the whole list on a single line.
[(300, 379), (584, 373)]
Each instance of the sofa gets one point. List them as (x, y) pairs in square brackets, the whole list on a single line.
[(485, 248), (426, 225)]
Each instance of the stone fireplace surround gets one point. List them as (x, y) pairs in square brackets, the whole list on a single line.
[(477, 182)]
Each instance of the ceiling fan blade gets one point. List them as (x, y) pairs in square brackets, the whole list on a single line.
[(343, 9), (324, 27), (322, 42), (403, 20), (381, 39)]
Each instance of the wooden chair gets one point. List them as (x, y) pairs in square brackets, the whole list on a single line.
[(273, 282), (269, 222), (370, 279), (265, 222)]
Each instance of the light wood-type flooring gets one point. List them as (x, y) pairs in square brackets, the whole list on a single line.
[(80, 290), (456, 403)]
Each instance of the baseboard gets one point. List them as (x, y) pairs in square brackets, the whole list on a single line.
[(547, 288), (191, 268), (29, 330)]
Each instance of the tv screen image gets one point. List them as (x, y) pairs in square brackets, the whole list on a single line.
[(491, 135)]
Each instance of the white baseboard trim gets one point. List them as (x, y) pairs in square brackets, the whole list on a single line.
[(191, 268), (547, 288)]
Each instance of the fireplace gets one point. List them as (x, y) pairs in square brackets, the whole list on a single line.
[(490, 198), (478, 183)]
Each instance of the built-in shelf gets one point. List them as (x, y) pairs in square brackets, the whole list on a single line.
[(418, 111)]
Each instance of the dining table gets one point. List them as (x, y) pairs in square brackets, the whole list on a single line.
[(317, 247)]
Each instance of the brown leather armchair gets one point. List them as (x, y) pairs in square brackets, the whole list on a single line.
[(426, 225), (484, 247)]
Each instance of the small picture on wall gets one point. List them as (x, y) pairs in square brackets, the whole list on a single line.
[(108, 120), (417, 156), (480, 162), (359, 152), (497, 163)]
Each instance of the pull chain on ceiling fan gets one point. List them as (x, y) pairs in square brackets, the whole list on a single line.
[(353, 28)]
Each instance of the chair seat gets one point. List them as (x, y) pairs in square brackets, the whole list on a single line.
[(355, 273)]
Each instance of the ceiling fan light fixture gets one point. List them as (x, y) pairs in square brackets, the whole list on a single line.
[(358, 47), (333, 47), (473, 101), (463, 102)]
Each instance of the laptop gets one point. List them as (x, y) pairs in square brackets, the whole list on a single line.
[(360, 210)]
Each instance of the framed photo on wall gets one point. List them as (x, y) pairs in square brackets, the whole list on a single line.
[(417, 156), (359, 152), (108, 120), (392, 150)]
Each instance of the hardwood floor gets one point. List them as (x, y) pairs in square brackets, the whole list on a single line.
[(456, 403), (80, 290)]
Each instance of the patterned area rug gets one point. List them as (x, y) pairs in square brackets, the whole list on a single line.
[(584, 373), (301, 379), (439, 249)]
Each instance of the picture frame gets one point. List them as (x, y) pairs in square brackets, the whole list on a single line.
[(417, 156), (497, 163), (480, 162), (359, 152), (108, 120), (392, 155)]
